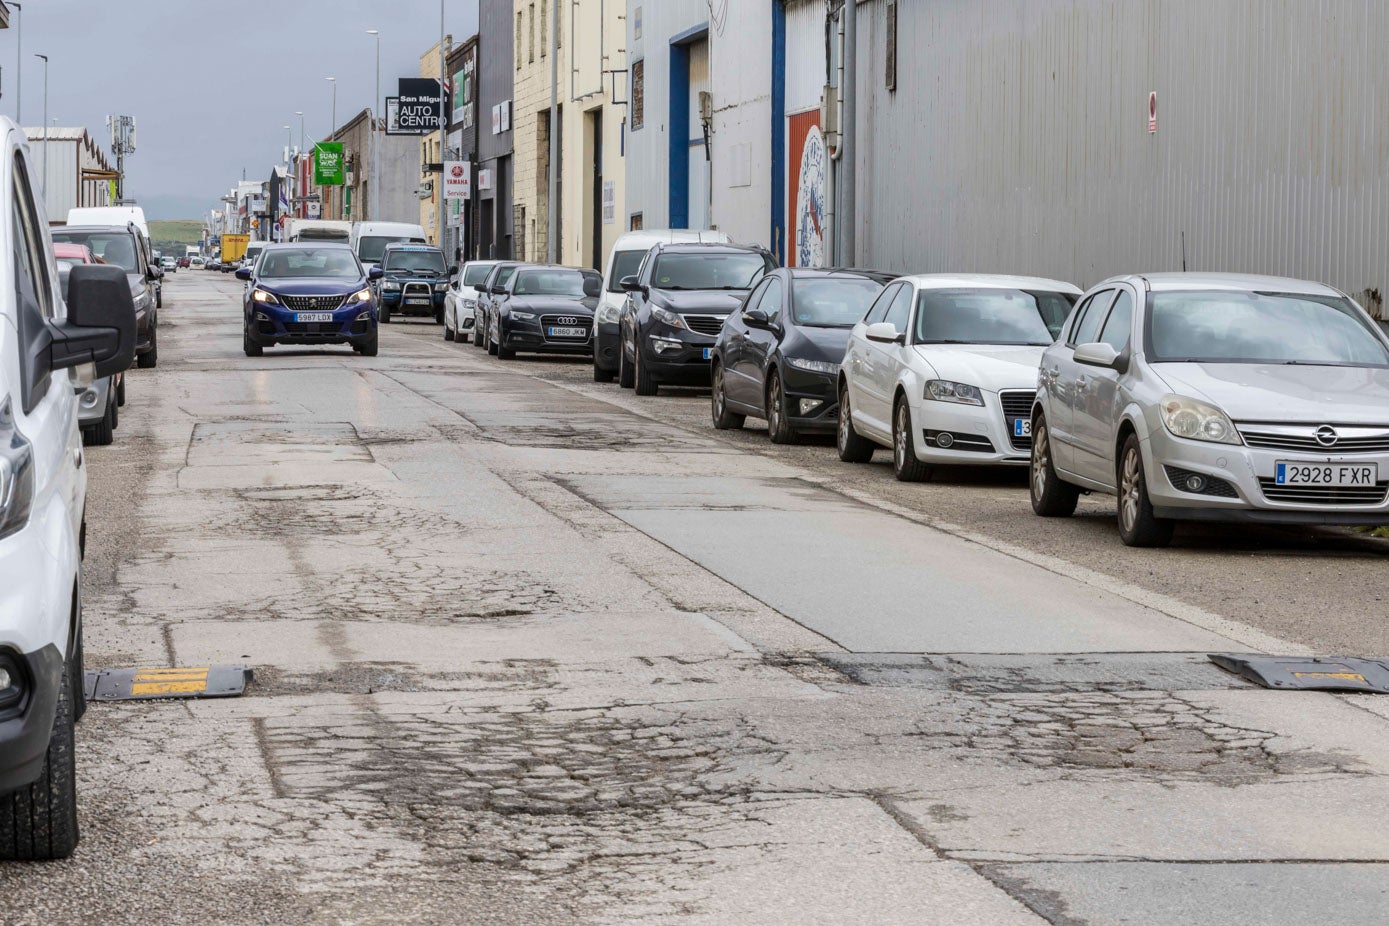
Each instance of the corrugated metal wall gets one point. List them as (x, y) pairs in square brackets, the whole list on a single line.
[(1018, 139)]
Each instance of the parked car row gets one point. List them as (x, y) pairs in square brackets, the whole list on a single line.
[(1188, 397)]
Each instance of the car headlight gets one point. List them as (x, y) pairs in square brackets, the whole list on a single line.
[(391, 286), (470, 304), (943, 390), (814, 366), (265, 296), (1197, 420), (609, 314), (441, 287), (523, 316), (361, 295), (667, 317)]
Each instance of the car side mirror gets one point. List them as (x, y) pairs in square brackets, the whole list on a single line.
[(630, 285), (884, 333), (154, 273), (593, 287), (100, 324), (375, 273), (453, 271), (1097, 355), (243, 273), (756, 318), (499, 290), (480, 287)]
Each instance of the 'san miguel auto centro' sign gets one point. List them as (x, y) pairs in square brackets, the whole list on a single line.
[(415, 108)]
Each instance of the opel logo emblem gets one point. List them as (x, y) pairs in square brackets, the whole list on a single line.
[(571, 320), (1327, 436)]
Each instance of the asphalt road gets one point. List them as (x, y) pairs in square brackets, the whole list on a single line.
[(530, 649)]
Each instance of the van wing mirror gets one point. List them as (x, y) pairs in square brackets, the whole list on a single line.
[(375, 272), (100, 324)]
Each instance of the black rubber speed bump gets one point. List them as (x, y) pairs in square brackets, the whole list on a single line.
[(1309, 673), (149, 684)]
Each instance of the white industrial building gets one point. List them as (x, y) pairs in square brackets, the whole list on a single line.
[(71, 169)]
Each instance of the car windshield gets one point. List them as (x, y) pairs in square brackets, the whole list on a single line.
[(709, 271), (475, 273), (832, 302), (625, 264), (414, 262), (1251, 327), (113, 247), (371, 249), (292, 263), (990, 316), (549, 282)]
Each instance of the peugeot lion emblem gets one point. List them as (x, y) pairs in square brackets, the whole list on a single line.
[(1327, 436)]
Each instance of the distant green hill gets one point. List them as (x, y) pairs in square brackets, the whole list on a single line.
[(175, 233)]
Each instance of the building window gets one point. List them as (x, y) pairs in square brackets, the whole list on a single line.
[(519, 15), (891, 55), (635, 224), (638, 94), (544, 10), (531, 23)]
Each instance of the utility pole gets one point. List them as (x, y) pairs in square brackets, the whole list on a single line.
[(375, 211), (552, 251), (443, 133), (845, 254), (44, 186)]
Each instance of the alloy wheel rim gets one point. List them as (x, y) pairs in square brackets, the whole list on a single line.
[(775, 404), (1131, 487), (899, 444), (718, 391), (1039, 462), (843, 420)]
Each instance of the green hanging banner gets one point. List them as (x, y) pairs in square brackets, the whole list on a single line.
[(327, 163)]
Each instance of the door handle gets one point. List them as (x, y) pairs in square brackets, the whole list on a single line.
[(77, 457)]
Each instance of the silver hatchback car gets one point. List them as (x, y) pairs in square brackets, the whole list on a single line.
[(1214, 397)]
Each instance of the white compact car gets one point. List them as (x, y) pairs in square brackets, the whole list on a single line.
[(460, 302), (943, 370), (43, 492)]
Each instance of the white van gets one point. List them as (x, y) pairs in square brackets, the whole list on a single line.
[(317, 230), (625, 260), (369, 239), (110, 215)]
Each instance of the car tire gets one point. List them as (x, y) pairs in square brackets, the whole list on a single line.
[(641, 377), (1051, 497), (778, 425), (624, 369), (385, 315), (449, 333), (438, 316), (491, 344), (114, 408), (159, 299), (905, 464), (601, 375), (1138, 526), (852, 447), (503, 352), (120, 392), (77, 673), (150, 358), (39, 821), (101, 434), (370, 348), (724, 419), (251, 347), (477, 332)]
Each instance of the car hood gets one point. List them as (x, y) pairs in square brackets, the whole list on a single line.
[(991, 368), (1294, 394), (712, 302), (818, 344), (574, 305), (312, 286)]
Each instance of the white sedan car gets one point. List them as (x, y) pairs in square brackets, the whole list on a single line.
[(460, 301), (943, 370)]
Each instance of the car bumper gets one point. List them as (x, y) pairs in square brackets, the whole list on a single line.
[(1241, 485), (394, 302), (91, 401), (530, 337), (812, 400), (25, 727), (605, 347), (272, 325), (677, 359), (968, 435)]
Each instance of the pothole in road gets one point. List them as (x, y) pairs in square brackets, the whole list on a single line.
[(526, 675)]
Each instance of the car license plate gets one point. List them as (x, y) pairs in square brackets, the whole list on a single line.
[(708, 352), (417, 302), (566, 332), (313, 316), (1022, 427), (1288, 473)]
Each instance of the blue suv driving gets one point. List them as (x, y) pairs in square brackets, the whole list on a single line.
[(309, 294)]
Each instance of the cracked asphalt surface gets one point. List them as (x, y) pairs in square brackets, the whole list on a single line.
[(529, 649)]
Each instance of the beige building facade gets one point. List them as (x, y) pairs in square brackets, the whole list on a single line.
[(431, 152)]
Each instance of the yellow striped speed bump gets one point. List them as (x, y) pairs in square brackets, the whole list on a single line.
[(148, 684)]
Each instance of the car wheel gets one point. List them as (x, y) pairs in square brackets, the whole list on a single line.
[(77, 672), (853, 447), (113, 407), (477, 332), (724, 419), (120, 392), (449, 333), (39, 821), (1051, 498), (624, 369), (102, 433), (491, 344), (601, 375), (905, 464), (370, 348), (778, 425), (385, 315), (150, 358), (641, 377), (159, 299), (1138, 526), (503, 352), (251, 347)]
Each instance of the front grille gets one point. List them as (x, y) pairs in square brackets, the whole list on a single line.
[(967, 443), (417, 291), (311, 328), (1216, 487), (312, 303), (570, 321), (1324, 495), (705, 324), (1304, 440), (1017, 403)]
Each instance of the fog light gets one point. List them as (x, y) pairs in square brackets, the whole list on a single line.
[(1196, 483), (262, 317), (809, 405), (945, 439), (364, 316), (661, 345), (88, 401)]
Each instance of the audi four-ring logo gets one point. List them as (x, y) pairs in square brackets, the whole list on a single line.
[(566, 320), (1327, 436)]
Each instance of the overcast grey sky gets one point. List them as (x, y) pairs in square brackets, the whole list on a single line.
[(211, 82)]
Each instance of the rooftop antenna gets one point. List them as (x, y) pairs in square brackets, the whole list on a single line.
[(122, 130)]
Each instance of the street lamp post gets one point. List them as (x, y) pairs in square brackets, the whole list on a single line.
[(334, 135), (19, 66), (45, 129), (443, 131), (375, 140), (301, 129)]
